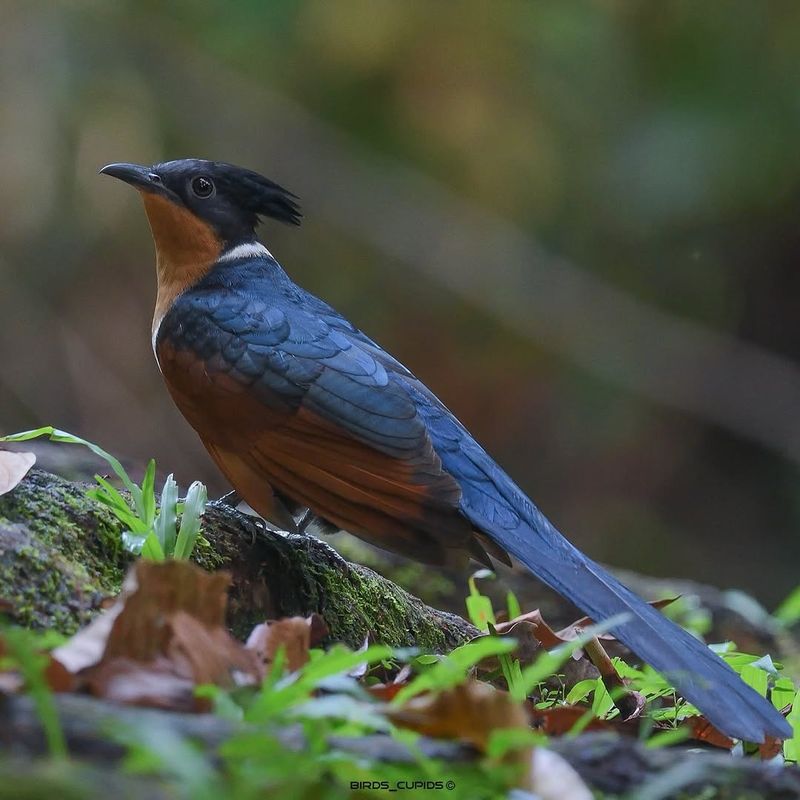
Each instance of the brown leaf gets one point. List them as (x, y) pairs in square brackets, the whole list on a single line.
[(207, 654), (384, 691), (470, 712), (560, 720), (549, 638), (163, 588), (153, 684), (703, 731), (387, 691), (770, 748), (14, 467), (164, 636), (319, 629), (576, 628), (291, 633), (58, 677), (546, 636)]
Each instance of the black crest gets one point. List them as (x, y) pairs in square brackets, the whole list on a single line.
[(255, 193)]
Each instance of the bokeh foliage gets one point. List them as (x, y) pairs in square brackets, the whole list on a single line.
[(654, 146)]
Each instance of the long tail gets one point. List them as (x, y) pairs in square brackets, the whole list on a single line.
[(698, 673)]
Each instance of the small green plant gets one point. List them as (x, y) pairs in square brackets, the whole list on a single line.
[(761, 673), (481, 614), (479, 606), (149, 531)]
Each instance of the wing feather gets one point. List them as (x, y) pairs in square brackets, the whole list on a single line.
[(312, 410)]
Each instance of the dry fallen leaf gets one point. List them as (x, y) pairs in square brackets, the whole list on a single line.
[(770, 748), (560, 720), (291, 633), (165, 635), (576, 628), (549, 638), (154, 684), (163, 588), (387, 691), (703, 731), (546, 636), (470, 712), (14, 467)]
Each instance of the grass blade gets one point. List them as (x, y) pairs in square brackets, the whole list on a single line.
[(56, 435), (166, 522), (148, 494), (194, 506), (152, 549)]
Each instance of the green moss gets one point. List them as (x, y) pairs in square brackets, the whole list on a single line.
[(356, 602), (60, 556), (59, 553), (432, 586), (206, 556)]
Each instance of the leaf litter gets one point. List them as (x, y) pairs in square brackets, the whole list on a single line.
[(165, 635)]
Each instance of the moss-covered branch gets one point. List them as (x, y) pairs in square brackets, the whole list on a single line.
[(60, 556)]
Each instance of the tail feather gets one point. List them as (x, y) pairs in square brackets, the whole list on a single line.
[(498, 508), (697, 672)]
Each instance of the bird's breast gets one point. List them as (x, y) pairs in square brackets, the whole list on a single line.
[(220, 403)]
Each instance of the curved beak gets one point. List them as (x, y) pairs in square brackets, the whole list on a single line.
[(134, 174)]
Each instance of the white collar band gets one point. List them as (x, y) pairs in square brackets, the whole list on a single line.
[(247, 250)]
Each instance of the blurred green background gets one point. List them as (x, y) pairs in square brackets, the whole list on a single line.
[(576, 221)]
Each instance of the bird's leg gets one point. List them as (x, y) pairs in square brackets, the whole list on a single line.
[(232, 499), (306, 518)]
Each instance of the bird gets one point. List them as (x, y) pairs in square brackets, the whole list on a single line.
[(304, 413)]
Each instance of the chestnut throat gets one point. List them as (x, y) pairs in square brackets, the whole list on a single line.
[(186, 249)]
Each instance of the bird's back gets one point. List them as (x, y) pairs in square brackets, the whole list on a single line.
[(290, 397)]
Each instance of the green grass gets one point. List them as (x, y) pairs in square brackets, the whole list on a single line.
[(325, 702), (760, 672), (151, 527)]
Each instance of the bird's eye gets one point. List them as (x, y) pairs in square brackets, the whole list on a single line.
[(202, 186)]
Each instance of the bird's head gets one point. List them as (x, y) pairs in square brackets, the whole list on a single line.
[(200, 211), (197, 208)]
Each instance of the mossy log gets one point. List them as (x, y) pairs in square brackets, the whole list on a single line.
[(60, 556), (612, 766)]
